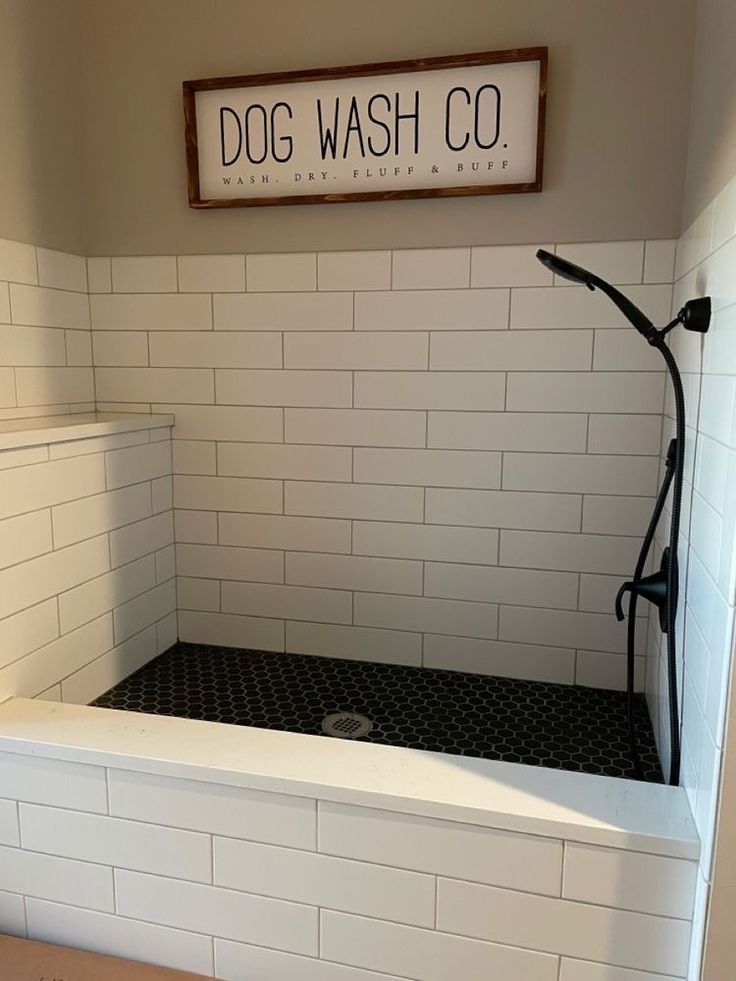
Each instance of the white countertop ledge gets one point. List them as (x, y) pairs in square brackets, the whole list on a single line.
[(16, 433), (554, 803)]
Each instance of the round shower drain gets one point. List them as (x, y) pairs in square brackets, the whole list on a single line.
[(346, 725)]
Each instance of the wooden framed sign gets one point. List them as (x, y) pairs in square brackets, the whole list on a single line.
[(436, 127)]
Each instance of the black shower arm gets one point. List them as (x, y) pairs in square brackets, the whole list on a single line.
[(694, 315), (632, 313)]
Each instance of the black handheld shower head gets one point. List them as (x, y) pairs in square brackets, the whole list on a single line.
[(576, 274), (566, 269)]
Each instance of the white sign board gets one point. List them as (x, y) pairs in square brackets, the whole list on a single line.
[(468, 124)]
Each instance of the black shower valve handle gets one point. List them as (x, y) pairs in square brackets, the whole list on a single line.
[(625, 588), (652, 588)]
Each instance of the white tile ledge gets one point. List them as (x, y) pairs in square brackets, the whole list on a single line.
[(575, 806), (16, 433)]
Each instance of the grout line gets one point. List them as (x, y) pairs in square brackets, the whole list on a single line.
[(564, 610), (9, 294), (361, 518), (214, 936), (518, 835), (107, 790), (20, 826), (213, 955), (373, 864), (563, 859)]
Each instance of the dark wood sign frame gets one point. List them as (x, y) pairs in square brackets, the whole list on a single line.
[(354, 71)]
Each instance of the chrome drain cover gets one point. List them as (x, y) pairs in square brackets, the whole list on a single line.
[(346, 725)]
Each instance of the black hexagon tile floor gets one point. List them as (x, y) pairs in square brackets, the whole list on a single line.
[(537, 723)]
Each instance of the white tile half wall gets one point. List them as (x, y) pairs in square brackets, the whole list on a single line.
[(240, 883), (438, 457), (45, 340), (87, 584)]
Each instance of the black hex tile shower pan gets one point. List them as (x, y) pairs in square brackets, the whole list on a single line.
[(532, 722)]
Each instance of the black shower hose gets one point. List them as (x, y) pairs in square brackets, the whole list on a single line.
[(674, 475)]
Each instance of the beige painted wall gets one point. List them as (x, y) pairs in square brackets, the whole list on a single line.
[(711, 159), (40, 123), (92, 149), (617, 125)]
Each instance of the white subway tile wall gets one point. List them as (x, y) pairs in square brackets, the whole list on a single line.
[(704, 264), (87, 578), (45, 338), (434, 445), (235, 883), (420, 421)]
